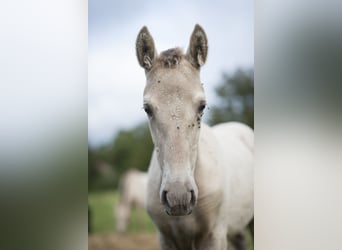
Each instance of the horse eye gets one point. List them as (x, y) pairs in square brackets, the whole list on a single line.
[(148, 109), (201, 107)]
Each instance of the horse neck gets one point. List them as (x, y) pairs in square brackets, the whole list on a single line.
[(209, 171)]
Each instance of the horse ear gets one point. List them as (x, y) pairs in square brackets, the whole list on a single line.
[(145, 49), (198, 48)]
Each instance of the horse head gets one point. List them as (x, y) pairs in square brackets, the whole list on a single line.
[(174, 102)]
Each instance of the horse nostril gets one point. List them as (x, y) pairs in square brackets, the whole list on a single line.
[(193, 197), (163, 198)]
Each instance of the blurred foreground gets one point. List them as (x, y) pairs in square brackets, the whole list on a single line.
[(136, 241)]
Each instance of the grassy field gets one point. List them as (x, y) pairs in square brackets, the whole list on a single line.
[(102, 205)]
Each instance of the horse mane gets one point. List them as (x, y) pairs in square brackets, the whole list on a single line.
[(170, 58)]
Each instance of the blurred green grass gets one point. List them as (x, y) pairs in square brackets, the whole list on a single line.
[(102, 205)]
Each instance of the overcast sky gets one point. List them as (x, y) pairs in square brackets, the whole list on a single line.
[(115, 79)]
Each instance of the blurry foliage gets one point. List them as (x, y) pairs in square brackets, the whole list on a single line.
[(236, 99), (130, 149)]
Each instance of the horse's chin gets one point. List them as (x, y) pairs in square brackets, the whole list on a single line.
[(177, 211)]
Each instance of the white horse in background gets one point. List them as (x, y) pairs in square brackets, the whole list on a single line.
[(132, 194), (200, 187)]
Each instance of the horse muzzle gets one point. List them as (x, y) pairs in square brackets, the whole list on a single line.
[(178, 200)]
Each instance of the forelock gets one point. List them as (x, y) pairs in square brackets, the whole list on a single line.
[(170, 58)]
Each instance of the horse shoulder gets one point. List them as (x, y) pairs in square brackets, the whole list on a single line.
[(237, 141)]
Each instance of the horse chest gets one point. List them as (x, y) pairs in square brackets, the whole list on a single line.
[(189, 227), (184, 226)]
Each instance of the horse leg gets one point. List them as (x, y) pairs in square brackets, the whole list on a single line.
[(122, 217), (238, 241)]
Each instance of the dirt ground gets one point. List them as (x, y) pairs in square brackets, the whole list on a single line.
[(136, 241)]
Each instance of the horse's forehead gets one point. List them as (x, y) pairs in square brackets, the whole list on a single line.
[(173, 83)]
